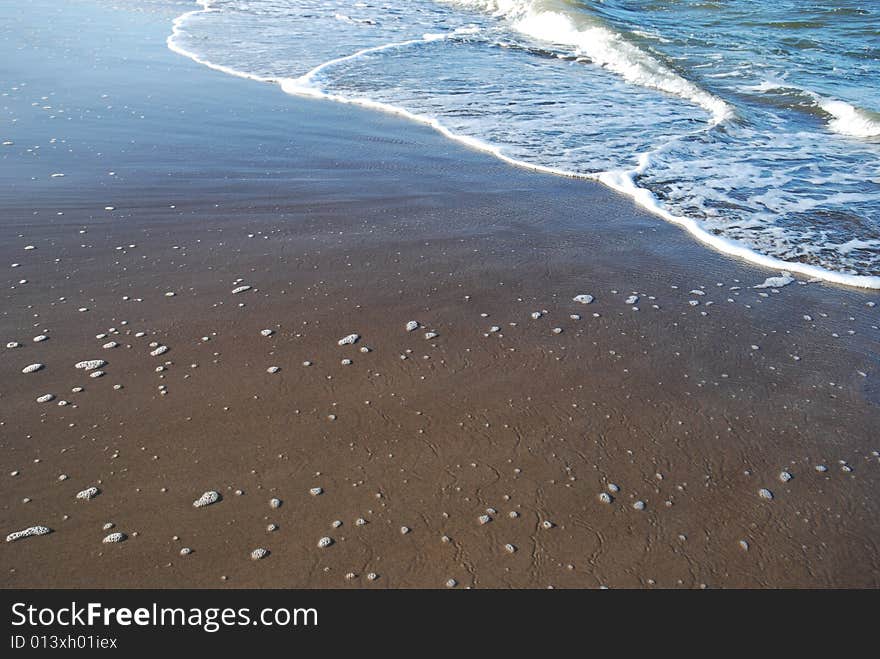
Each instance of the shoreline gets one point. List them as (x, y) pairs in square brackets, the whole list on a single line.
[(355, 222), (620, 181)]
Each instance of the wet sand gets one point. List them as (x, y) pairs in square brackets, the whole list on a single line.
[(473, 458)]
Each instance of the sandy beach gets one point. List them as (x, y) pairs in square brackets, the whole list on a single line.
[(375, 356)]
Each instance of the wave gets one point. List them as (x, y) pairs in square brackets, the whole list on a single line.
[(842, 117), (638, 66), (555, 23)]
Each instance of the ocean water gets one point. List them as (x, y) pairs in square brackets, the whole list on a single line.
[(755, 125)]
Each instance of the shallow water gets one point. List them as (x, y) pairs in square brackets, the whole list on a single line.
[(755, 125)]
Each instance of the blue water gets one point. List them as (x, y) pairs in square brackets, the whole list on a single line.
[(755, 125)]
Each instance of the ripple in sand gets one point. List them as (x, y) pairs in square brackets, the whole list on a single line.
[(28, 532), (207, 499)]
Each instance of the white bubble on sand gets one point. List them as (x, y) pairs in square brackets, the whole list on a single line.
[(90, 364), (349, 340), (32, 368), (207, 499), (784, 279), (114, 538), (26, 533), (88, 493)]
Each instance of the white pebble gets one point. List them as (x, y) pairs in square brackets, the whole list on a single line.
[(31, 530), (32, 368), (114, 538), (206, 499), (88, 493)]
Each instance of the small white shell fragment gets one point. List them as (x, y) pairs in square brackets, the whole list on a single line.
[(206, 499), (639, 505), (114, 538), (536, 315), (275, 502), (604, 497), (273, 369), (40, 338), (88, 493), (240, 289), (13, 344), (267, 332), (484, 519), (744, 545), (32, 368), (784, 279), (170, 294), (26, 533), (90, 364), (547, 524), (821, 469), (315, 491), (404, 530), (583, 299), (349, 340), (412, 326), (346, 362), (632, 299), (326, 541), (431, 335), (259, 553), (96, 374), (613, 488), (784, 476), (451, 583), (509, 548), (186, 551), (764, 493), (161, 350), (45, 398), (109, 345)]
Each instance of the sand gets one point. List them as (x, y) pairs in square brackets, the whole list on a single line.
[(634, 447)]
